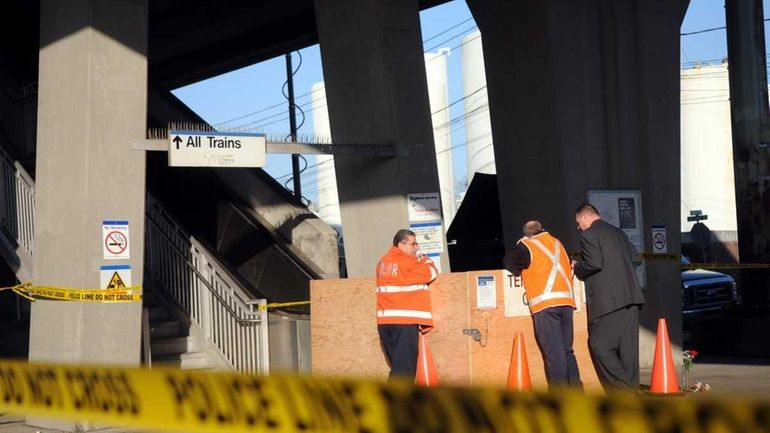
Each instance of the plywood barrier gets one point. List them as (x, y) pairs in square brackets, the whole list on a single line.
[(345, 341)]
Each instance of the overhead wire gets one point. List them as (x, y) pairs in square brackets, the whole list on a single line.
[(697, 32), (282, 103)]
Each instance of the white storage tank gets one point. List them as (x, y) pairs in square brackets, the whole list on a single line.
[(478, 129), (707, 179), (328, 208), (438, 94)]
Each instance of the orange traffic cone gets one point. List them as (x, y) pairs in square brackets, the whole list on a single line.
[(518, 373), (664, 379), (426, 369)]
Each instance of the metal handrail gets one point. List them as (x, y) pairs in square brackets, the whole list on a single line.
[(233, 320), (17, 216), (228, 315), (203, 278)]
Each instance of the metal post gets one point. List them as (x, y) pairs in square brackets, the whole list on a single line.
[(293, 125), (264, 338)]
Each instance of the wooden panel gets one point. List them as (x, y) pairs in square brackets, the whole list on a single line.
[(490, 364), (345, 341), (343, 330), (344, 336)]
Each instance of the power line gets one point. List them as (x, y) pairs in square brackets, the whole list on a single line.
[(460, 100), (447, 30), (697, 32), (713, 29), (462, 33), (280, 104)]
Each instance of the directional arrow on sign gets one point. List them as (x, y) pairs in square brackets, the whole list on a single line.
[(177, 140)]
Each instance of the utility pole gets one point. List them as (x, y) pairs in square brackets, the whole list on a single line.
[(750, 119), (293, 126)]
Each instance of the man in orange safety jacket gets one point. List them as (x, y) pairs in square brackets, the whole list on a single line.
[(545, 269), (403, 302)]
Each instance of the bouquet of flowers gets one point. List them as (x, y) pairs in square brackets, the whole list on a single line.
[(688, 356), (687, 360)]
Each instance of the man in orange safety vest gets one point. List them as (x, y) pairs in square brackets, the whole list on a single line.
[(403, 302), (545, 269)]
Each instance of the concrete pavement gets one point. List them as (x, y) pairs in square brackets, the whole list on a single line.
[(728, 376)]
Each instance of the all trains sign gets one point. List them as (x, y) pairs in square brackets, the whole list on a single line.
[(215, 149)]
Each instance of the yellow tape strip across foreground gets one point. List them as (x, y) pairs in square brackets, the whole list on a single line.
[(33, 293), (209, 402)]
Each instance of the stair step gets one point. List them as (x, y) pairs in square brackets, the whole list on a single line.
[(168, 329), (174, 345), (190, 360), (151, 298), (158, 313)]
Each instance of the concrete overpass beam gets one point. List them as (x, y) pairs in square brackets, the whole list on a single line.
[(585, 95), (92, 103), (376, 90)]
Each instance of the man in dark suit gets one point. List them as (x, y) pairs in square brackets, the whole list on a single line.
[(613, 298)]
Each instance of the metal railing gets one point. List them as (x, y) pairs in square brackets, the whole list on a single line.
[(17, 199), (228, 316), (234, 321)]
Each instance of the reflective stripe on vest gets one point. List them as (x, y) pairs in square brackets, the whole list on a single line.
[(548, 296), (399, 289), (555, 269), (405, 313)]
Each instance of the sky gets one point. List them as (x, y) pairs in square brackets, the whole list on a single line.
[(255, 100)]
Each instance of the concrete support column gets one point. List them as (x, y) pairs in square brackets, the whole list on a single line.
[(92, 103), (376, 89), (585, 95), (751, 141)]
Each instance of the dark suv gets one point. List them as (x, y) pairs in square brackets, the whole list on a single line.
[(707, 291)]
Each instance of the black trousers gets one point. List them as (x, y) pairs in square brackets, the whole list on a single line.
[(613, 340), (400, 345), (554, 334)]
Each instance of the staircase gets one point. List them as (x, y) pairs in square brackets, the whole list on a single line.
[(171, 344), (200, 314)]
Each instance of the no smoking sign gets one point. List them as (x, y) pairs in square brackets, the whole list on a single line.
[(659, 240), (115, 240)]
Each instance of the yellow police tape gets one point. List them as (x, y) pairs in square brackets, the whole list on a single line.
[(726, 266), (223, 402), (33, 293), (282, 305), (655, 256)]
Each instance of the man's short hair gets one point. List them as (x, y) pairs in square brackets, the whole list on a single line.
[(531, 228), (401, 236), (586, 209)]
